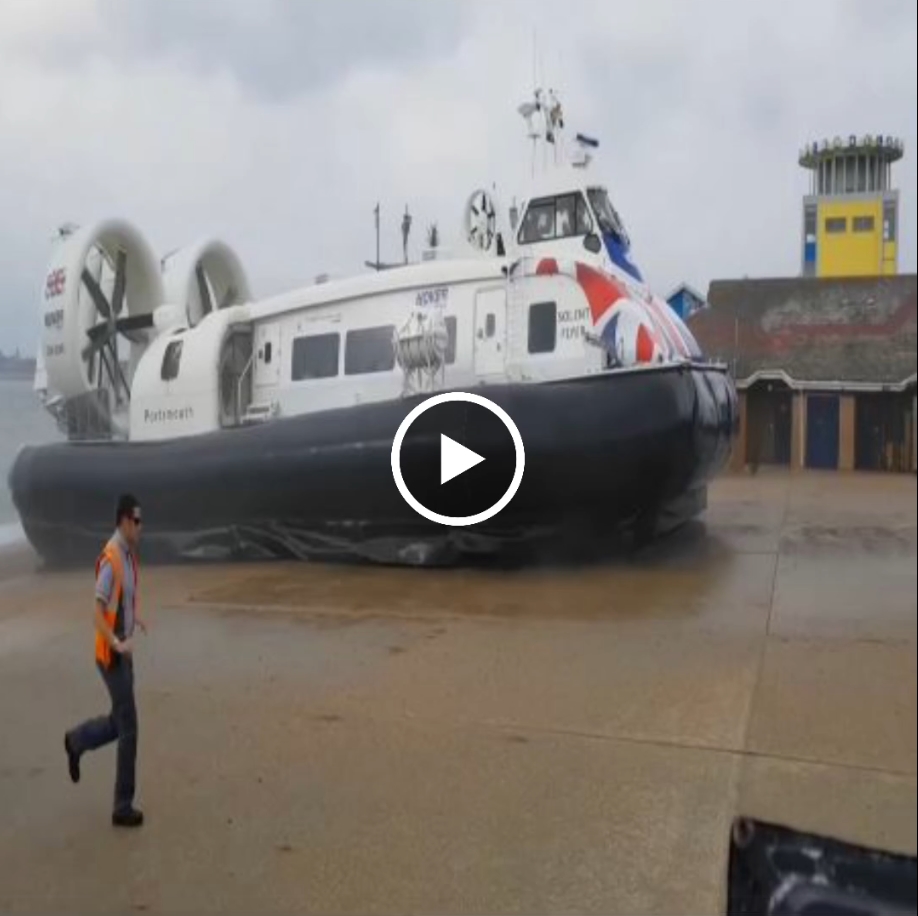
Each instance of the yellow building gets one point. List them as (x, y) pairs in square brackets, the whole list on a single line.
[(851, 215)]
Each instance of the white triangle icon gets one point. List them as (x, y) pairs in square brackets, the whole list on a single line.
[(455, 459)]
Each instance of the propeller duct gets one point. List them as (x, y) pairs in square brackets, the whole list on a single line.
[(203, 278), (101, 289)]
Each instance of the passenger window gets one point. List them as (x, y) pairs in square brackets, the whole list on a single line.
[(268, 352), (369, 350), (490, 325), (314, 357), (542, 327), (171, 359)]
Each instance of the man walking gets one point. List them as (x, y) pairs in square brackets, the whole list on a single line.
[(115, 619)]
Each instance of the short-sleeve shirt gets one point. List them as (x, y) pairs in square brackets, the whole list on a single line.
[(105, 582)]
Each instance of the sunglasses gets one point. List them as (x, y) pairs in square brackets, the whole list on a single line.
[(137, 520)]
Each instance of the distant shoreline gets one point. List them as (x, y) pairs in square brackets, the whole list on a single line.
[(16, 367)]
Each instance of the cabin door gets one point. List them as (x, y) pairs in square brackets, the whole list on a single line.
[(235, 376), (267, 362), (491, 332)]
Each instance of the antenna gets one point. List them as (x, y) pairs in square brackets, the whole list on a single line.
[(545, 104), (377, 264), (376, 221), (406, 229), (534, 135), (528, 110), (535, 68)]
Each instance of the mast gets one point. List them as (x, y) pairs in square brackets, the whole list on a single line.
[(544, 118), (406, 230), (378, 264)]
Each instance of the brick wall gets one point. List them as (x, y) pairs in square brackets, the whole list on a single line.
[(861, 329)]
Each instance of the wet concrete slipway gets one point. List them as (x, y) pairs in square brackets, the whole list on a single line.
[(365, 740)]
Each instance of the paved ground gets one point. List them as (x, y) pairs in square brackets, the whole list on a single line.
[(372, 740)]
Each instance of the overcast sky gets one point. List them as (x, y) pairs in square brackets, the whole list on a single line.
[(278, 124)]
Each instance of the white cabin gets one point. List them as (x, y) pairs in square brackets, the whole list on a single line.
[(334, 346)]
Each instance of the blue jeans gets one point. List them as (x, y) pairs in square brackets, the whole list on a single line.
[(120, 724)]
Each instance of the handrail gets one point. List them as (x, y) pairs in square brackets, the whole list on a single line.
[(239, 411)]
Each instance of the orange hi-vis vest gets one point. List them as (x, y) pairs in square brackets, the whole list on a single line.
[(112, 553)]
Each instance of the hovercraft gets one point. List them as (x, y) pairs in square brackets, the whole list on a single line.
[(262, 428)]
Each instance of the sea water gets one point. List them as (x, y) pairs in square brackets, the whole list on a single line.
[(23, 421)]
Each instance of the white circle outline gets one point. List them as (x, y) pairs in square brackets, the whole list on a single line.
[(458, 521)]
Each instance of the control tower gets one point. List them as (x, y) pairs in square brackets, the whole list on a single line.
[(851, 214)]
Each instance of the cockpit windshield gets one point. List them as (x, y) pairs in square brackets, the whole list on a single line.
[(607, 216), (549, 218)]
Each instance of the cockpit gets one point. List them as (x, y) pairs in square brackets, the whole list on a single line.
[(557, 217), (610, 223), (569, 215)]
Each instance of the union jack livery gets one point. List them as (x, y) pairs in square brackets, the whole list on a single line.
[(55, 282)]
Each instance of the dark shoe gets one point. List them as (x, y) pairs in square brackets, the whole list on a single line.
[(130, 817), (73, 760)]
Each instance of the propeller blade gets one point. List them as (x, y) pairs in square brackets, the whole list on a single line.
[(114, 367), (92, 348), (203, 290), (105, 346), (112, 343), (229, 298), (96, 294), (130, 325), (100, 333), (104, 363), (134, 323), (120, 281), (124, 381)]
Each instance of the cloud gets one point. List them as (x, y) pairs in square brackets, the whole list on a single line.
[(274, 48), (278, 126), (278, 48)]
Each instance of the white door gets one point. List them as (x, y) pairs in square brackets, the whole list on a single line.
[(491, 332), (266, 364)]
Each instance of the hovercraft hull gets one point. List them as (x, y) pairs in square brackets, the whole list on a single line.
[(617, 451)]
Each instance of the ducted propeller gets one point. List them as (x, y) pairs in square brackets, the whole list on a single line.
[(204, 277), (207, 303), (207, 291), (103, 336)]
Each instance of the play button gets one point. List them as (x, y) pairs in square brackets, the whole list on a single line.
[(457, 458)]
